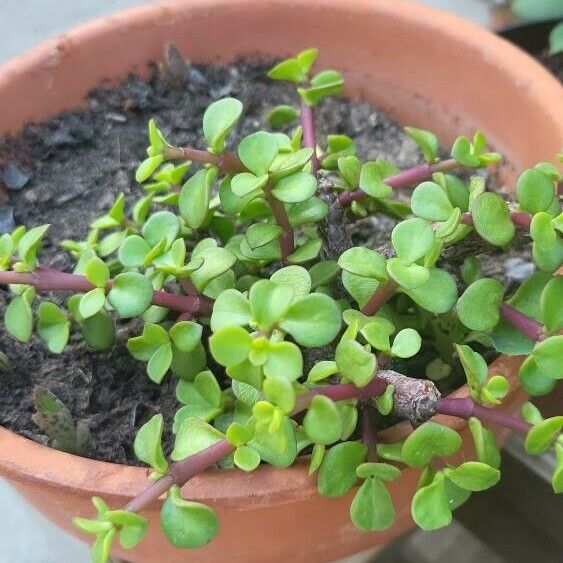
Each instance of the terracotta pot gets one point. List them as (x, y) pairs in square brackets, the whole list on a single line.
[(425, 68)]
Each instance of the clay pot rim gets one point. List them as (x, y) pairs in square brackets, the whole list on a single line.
[(28, 461)]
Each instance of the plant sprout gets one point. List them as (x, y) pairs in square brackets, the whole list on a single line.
[(244, 299)]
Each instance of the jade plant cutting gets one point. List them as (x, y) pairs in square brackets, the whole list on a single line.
[(286, 339)]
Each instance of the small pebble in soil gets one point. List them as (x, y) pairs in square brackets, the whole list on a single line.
[(15, 178), (518, 269), (7, 221)]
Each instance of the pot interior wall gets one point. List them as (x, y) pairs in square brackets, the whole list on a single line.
[(418, 69)]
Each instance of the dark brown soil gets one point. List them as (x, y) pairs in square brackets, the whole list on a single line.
[(68, 170)]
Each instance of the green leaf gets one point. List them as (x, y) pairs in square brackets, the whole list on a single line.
[(53, 326), (430, 507), (101, 550), (463, 153), (160, 363), (277, 448), (535, 191), (258, 151), (438, 294), (322, 423), (92, 302), (383, 471), (372, 181), (133, 251), (295, 276), (473, 476), (491, 219), (337, 474), (360, 288), (18, 318), (284, 165), (475, 368), (427, 441), (130, 294), (246, 458), (187, 524), (132, 527), (193, 436), (313, 321), (537, 10), (530, 413), (186, 335), (282, 115), (295, 188), (216, 261), (431, 202), (541, 436), (284, 360), (202, 398), (322, 273), (479, 306), (148, 167), (547, 249), (470, 269), (148, 444), (548, 355), (321, 370), (29, 245), (372, 507), (350, 169), (533, 379), (161, 225), (364, 262), (307, 58), (310, 211), (195, 196), (354, 362), (290, 69), (230, 345), (269, 302), (231, 308), (556, 47), (323, 84), (552, 304), (412, 239), (260, 234), (246, 184), (406, 343), (99, 331), (427, 142), (280, 391), (218, 120), (97, 272), (306, 252), (408, 276), (485, 444)]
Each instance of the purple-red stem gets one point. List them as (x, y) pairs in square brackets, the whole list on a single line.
[(286, 239), (227, 162), (465, 408), (404, 179), (381, 295), (48, 279), (526, 325), (309, 135), (182, 471)]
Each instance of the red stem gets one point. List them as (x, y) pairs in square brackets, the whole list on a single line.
[(382, 294), (465, 408), (309, 136), (286, 239), (525, 324), (227, 162), (182, 471), (48, 279), (403, 179)]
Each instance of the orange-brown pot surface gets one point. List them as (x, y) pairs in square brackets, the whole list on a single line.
[(424, 67)]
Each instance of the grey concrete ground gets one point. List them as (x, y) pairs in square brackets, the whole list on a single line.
[(25, 535)]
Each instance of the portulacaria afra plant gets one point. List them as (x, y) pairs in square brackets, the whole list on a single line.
[(283, 336)]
